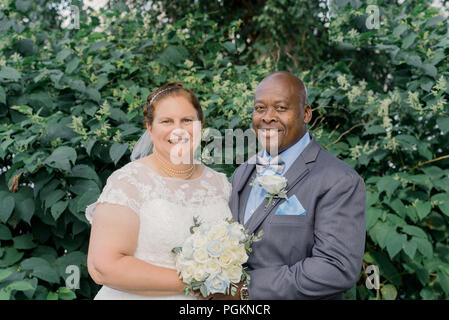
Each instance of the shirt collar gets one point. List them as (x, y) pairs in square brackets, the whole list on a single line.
[(290, 154)]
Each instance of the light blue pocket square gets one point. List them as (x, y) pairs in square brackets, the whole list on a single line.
[(291, 207)]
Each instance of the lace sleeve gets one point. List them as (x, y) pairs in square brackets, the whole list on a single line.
[(121, 188)]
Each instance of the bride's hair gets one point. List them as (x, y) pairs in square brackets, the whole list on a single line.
[(170, 89)]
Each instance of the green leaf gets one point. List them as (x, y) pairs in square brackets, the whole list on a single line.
[(19, 286), (63, 54), (4, 294), (429, 70), (51, 198), (176, 250), (58, 208), (398, 207), (52, 296), (61, 158), (2, 95), (388, 184), (86, 172), (394, 243), (5, 234), (423, 209), (72, 65), (66, 294), (23, 5), (414, 231), (399, 30), (372, 215), (443, 279), (386, 268), (408, 40), (443, 124), (81, 186), (10, 257), (7, 205), (117, 151), (9, 73), (371, 198), (24, 204), (203, 290), (425, 247), (41, 269), (414, 60), (435, 20), (75, 258), (229, 46), (389, 292), (4, 274), (409, 247), (381, 232), (171, 56), (24, 242), (93, 94)]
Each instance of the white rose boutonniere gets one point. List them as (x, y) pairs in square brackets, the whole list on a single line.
[(273, 185)]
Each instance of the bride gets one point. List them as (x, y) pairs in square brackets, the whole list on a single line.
[(148, 205)]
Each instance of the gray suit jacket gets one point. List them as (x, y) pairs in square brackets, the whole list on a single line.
[(313, 256)]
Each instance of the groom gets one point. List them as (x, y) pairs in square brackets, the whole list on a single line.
[(313, 242)]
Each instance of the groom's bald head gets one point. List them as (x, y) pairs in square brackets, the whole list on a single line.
[(289, 80)]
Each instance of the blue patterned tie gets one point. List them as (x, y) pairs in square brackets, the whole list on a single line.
[(275, 164)]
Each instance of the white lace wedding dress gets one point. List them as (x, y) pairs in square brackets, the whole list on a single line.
[(166, 207)]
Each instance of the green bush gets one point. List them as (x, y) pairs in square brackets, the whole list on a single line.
[(71, 110)]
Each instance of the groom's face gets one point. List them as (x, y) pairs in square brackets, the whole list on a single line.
[(278, 117)]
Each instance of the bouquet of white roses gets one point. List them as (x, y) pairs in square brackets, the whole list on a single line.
[(211, 259)]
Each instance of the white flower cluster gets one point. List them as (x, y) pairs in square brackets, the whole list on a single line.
[(211, 258)]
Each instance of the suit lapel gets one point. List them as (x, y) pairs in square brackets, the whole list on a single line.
[(242, 190), (244, 195), (294, 174), (245, 176)]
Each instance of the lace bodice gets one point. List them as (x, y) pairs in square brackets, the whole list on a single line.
[(165, 206)]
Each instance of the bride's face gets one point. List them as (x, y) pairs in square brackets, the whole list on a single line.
[(176, 129)]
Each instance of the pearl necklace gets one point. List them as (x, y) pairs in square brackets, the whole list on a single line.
[(172, 172)]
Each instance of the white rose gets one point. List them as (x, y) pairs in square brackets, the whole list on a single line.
[(200, 255), (218, 232), (240, 255), (212, 266), (235, 231), (200, 273), (204, 228), (225, 259), (233, 273), (231, 244), (216, 284), (187, 248), (214, 248), (199, 241), (272, 184), (187, 272)]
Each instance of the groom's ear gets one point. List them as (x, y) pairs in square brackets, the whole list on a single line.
[(307, 113)]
